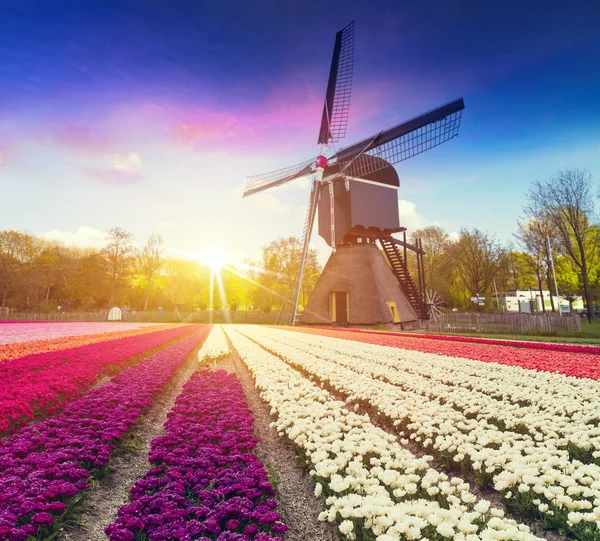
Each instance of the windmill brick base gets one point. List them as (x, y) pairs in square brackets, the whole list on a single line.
[(358, 287)]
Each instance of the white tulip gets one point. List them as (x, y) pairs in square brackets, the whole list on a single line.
[(334, 439)]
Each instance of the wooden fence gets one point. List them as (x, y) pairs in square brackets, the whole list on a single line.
[(238, 316), (158, 316), (503, 322), (101, 315)]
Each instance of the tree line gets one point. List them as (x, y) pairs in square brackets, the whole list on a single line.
[(41, 275), (38, 275), (559, 226)]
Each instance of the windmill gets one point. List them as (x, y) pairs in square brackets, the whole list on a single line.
[(354, 194)]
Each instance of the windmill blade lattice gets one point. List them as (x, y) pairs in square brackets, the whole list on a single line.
[(403, 141), (258, 183), (339, 88), (289, 306), (306, 234)]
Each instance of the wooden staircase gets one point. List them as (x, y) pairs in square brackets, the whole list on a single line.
[(394, 250)]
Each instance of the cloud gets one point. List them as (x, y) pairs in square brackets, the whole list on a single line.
[(122, 169), (236, 191), (409, 217), (412, 220), (301, 183), (168, 225), (111, 176), (206, 130), (285, 117), (7, 151), (82, 138), (125, 162), (282, 123), (84, 237), (268, 202)]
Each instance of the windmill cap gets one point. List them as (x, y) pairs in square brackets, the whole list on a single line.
[(386, 175)]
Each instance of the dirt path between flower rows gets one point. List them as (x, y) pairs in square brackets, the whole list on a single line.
[(298, 505), (125, 468)]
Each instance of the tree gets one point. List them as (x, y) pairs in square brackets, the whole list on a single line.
[(237, 288), (150, 262), (16, 253), (565, 200), (538, 235), (86, 286), (44, 272), (568, 280), (279, 271), (516, 270), (537, 265), (185, 281), (477, 258), (436, 262), (117, 255)]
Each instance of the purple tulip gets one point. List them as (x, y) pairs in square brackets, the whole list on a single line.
[(232, 524), (40, 385), (204, 472), (42, 518), (45, 465)]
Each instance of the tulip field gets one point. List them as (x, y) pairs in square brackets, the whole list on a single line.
[(393, 436), (22, 331), (18, 339)]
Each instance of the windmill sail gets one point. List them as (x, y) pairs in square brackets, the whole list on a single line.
[(258, 183), (306, 234), (339, 88), (335, 114), (401, 142)]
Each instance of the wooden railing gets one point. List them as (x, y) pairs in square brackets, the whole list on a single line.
[(503, 322)]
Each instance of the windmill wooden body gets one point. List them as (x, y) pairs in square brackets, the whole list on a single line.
[(354, 193)]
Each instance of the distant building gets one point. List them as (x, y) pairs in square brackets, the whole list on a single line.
[(530, 300)]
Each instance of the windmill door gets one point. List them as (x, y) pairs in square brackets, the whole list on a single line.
[(339, 305)]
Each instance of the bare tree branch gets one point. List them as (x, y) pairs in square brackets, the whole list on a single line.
[(117, 256), (566, 201)]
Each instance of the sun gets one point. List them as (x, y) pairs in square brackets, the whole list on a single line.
[(214, 256)]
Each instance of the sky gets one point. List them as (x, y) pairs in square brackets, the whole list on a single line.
[(149, 115)]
